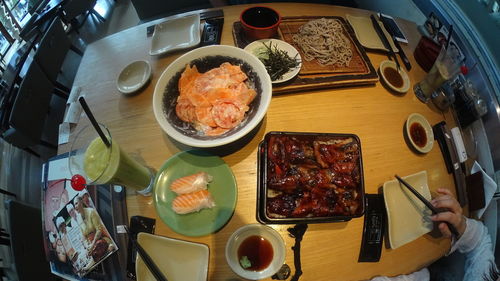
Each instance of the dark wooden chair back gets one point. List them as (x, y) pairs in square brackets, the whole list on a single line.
[(29, 110), (52, 50)]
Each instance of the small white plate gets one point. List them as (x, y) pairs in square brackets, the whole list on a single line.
[(177, 259), (176, 34), (418, 118), (271, 235), (366, 34), (406, 80), (256, 46), (133, 77), (406, 215)]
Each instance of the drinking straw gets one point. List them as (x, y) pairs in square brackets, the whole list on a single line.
[(91, 117), (449, 36)]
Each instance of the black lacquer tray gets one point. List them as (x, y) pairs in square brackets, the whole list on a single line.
[(262, 188)]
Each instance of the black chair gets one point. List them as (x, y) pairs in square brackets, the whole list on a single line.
[(26, 235), (150, 10), (52, 51), (74, 8), (29, 111)]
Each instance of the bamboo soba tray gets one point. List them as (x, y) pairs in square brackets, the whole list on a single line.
[(313, 75), (290, 27)]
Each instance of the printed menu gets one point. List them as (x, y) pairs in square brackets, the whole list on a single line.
[(76, 239)]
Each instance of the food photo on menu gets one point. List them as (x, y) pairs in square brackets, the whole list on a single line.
[(76, 238), (85, 239)]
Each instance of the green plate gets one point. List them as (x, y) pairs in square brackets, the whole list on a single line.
[(223, 190)]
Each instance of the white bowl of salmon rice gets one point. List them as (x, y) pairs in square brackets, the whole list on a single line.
[(212, 96)]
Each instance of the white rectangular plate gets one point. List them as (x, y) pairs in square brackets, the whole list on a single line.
[(366, 34), (176, 34), (177, 259), (406, 215)]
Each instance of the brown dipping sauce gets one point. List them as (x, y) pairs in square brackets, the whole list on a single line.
[(393, 77), (258, 250), (418, 135)]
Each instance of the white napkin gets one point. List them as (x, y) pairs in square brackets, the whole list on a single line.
[(73, 95), (64, 131), (73, 113), (490, 187)]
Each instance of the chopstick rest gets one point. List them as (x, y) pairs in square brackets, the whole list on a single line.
[(373, 229), (297, 232)]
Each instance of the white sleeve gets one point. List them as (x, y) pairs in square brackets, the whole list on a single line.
[(421, 275), (471, 237), (477, 247)]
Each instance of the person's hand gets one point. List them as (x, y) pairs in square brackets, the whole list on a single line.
[(453, 215)]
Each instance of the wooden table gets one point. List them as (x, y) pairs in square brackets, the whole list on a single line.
[(329, 251)]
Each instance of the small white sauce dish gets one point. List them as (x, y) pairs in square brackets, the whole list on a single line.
[(420, 119), (133, 77), (268, 233), (406, 80)]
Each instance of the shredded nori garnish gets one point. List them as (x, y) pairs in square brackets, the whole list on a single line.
[(277, 62)]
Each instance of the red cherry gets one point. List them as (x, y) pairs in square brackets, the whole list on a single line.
[(78, 182)]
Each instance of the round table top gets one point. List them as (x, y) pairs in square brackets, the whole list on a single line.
[(329, 250)]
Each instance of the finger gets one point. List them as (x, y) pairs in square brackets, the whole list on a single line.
[(442, 197), (444, 217), (444, 230), (444, 191), (447, 217), (448, 203)]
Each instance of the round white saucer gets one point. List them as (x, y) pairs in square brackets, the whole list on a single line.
[(133, 77)]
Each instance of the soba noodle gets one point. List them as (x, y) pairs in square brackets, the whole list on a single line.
[(323, 39)]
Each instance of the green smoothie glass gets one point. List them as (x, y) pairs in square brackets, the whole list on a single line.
[(91, 158)]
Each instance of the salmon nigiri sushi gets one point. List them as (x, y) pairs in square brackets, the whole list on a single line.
[(191, 183), (192, 202)]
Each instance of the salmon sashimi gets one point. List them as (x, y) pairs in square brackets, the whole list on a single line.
[(192, 202), (189, 75), (198, 99), (191, 183), (228, 113), (185, 110), (246, 96), (204, 115), (221, 93), (214, 101)]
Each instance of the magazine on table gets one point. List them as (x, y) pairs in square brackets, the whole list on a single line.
[(76, 239)]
